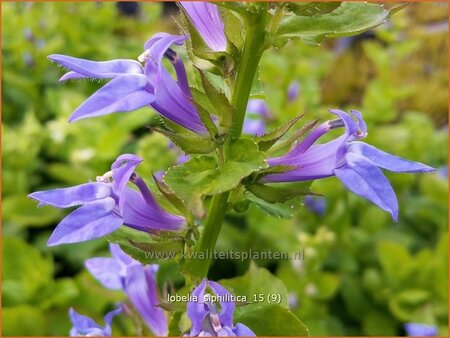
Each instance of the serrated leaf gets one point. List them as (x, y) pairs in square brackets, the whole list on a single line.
[(141, 247), (267, 140), (271, 320), (350, 18), (202, 176)]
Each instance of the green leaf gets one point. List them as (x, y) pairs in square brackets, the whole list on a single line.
[(202, 175), (24, 211), (257, 281), (59, 293), (25, 273), (271, 320), (395, 260), (23, 320), (267, 140), (141, 247), (350, 18), (312, 8), (404, 305)]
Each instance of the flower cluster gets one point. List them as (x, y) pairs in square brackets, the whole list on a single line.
[(121, 197)]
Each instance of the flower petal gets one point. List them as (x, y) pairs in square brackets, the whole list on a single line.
[(123, 168), (159, 43), (387, 161), (227, 308), (82, 325), (90, 221), (68, 197), (196, 310), (141, 289), (71, 76), (122, 94), (365, 179), (106, 271), (140, 215), (109, 317), (172, 103), (98, 69), (206, 19), (242, 330), (121, 257)]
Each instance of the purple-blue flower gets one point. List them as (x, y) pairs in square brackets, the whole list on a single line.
[(206, 19), (106, 205), (207, 319), (137, 84), (85, 326), (354, 163), (256, 117), (420, 330), (121, 272), (316, 204), (293, 91)]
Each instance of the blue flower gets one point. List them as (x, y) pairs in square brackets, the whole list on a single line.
[(106, 205), (134, 85), (420, 330), (121, 272), (207, 319), (354, 163), (256, 116), (85, 326), (206, 19)]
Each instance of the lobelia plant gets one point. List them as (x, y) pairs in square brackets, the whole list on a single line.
[(230, 160)]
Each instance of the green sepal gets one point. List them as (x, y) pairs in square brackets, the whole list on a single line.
[(279, 210), (173, 199), (279, 194), (139, 244), (288, 141), (350, 18), (268, 140), (219, 102), (189, 142)]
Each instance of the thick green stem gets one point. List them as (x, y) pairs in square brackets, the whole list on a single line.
[(250, 58), (251, 55)]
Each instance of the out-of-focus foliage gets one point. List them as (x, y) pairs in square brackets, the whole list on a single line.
[(361, 274)]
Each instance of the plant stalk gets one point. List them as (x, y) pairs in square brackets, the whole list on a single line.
[(253, 48)]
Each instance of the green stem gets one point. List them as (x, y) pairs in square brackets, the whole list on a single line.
[(251, 55)]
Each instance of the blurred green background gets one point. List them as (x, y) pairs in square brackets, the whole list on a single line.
[(362, 274)]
